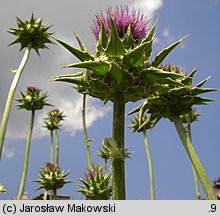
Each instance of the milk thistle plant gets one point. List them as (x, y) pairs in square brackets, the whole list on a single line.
[(120, 71), (52, 123), (32, 100), (172, 102), (31, 34)]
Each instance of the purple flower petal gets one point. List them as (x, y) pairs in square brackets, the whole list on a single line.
[(122, 18)]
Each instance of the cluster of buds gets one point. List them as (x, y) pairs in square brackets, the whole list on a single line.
[(54, 117), (31, 32), (33, 99), (121, 62), (96, 185), (51, 177)]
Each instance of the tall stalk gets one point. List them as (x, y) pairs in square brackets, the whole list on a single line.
[(198, 194), (86, 140), (118, 165), (51, 147), (26, 158), (11, 96), (150, 166), (57, 146), (207, 186)]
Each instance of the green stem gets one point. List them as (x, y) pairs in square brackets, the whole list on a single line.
[(150, 166), (26, 157), (57, 146), (11, 93), (105, 166), (55, 194), (198, 195), (51, 195), (118, 165), (86, 140), (200, 170), (51, 147), (45, 195)]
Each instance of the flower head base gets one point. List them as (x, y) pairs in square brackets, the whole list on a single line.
[(123, 18), (120, 65), (172, 101), (96, 186), (216, 186), (51, 177), (53, 120), (32, 99), (190, 117), (31, 32)]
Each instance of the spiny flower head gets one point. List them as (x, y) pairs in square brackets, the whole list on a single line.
[(123, 18), (31, 32), (54, 118), (141, 124), (52, 177), (170, 67), (190, 117), (32, 99), (96, 186)]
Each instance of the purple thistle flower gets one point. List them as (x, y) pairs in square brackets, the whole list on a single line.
[(90, 174), (122, 18)]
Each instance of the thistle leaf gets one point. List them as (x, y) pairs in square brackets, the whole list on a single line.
[(156, 73), (136, 56), (151, 33), (163, 54), (115, 47), (119, 75), (203, 82), (81, 55), (103, 39), (128, 40), (97, 67), (198, 90), (81, 44)]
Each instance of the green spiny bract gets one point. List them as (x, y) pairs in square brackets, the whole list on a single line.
[(32, 99), (54, 117), (31, 32), (141, 124), (51, 177), (119, 65), (172, 101), (96, 186)]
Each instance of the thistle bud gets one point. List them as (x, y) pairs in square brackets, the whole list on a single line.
[(31, 32), (32, 99)]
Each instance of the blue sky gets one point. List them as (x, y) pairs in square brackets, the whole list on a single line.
[(173, 173)]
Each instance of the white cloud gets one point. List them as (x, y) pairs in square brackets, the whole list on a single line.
[(8, 152), (170, 38), (73, 115), (149, 7)]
